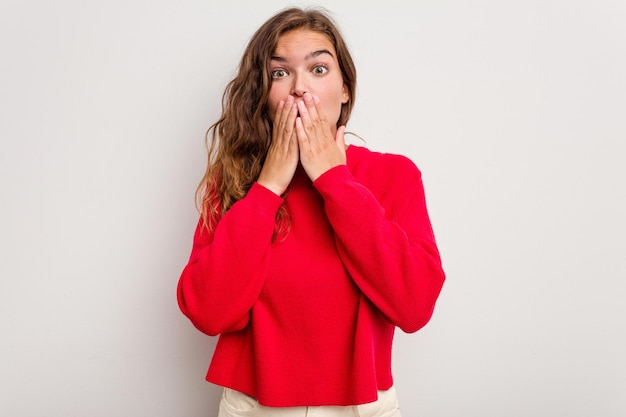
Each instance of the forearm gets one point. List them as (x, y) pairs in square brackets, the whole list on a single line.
[(226, 270), (390, 254)]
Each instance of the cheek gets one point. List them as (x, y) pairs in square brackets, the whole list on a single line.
[(333, 106), (334, 96), (272, 103), (276, 94)]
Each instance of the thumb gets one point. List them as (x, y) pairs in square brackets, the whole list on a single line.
[(340, 138)]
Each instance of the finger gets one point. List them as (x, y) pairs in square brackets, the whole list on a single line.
[(290, 129), (303, 139), (279, 109), (305, 117), (309, 101), (285, 111), (308, 111), (289, 115), (292, 114), (285, 119), (311, 124)]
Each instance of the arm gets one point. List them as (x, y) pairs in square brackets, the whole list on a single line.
[(226, 271), (390, 252)]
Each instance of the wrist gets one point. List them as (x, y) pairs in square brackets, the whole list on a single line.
[(275, 188)]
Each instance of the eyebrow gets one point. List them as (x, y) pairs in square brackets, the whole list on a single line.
[(312, 55)]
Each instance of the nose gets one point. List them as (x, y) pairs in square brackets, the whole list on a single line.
[(299, 86)]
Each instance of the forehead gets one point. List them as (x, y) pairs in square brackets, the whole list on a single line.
[(302, 41)]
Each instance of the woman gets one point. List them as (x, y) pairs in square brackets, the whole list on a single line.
[(308, 252)]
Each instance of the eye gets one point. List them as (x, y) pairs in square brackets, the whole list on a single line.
[(320, 70), (279, 73)]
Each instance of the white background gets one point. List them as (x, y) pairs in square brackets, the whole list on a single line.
[(515, 111)]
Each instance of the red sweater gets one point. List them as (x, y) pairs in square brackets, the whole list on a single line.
[(309, 320)]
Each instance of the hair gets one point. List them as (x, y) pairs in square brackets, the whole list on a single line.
[(240, 139)]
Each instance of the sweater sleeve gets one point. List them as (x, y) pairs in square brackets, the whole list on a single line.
[(226, 270), (389, 251)]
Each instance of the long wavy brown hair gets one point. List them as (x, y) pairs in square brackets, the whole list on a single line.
[(238, 142)]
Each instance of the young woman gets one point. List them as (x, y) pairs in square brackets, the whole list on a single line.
[(308, 252)]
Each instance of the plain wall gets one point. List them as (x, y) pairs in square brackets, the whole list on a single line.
[(514, 111)]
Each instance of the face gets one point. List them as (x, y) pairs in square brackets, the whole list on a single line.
[(306, 61)]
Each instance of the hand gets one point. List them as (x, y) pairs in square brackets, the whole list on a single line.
[(282, 157), (321, 147)]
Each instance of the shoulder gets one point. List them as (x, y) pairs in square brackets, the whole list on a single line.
[(364, 163), (391, 178)]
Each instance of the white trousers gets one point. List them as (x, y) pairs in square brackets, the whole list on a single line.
[(237, 404)]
